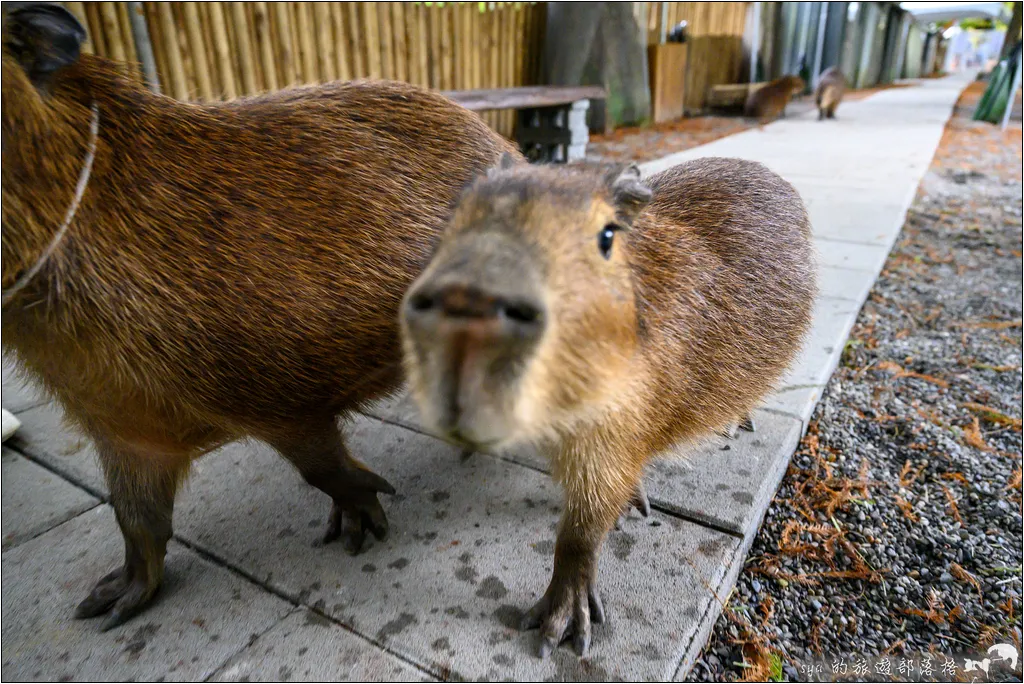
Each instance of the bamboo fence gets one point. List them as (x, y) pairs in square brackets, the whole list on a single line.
[(211, 51)]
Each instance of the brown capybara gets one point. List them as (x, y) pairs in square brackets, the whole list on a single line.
[(232, 270), (768, 102), (605, 319), (829, 92)]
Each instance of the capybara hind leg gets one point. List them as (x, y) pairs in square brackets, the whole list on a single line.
[(142, 489), (321, 457), (745, 423)]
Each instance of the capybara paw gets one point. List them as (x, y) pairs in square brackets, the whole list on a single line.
[(566, 609), (121, 594), (351, 520), (747, 423)]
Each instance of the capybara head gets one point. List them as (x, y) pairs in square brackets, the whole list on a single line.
[(526, 315), (794, 84)]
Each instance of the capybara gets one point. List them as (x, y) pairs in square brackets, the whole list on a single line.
[(768, 102), (605, 318), (232, 270), (829, 92)]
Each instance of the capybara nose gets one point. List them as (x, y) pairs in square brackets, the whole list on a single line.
[(461, 305)]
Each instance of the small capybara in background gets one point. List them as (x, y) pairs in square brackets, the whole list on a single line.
[(232, 270), (606, 319), (768, 102), (829, 92)]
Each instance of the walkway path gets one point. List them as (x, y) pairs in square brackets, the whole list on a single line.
[(248, 596)]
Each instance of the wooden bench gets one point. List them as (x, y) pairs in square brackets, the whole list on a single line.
[(551, 121)]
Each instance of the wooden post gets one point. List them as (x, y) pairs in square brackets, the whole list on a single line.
[(143, 45)]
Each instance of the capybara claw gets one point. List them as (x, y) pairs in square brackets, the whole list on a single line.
[(350, 522), (120, 596), (565, 610), (747, 423)]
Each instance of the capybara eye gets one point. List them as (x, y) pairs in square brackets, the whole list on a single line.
[(605, 239)]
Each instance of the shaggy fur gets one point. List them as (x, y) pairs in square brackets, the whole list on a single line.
[(768, 102), (233, 270), (695, 314), (829, 92)]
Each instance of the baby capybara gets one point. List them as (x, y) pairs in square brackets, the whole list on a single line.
[(768, 102), (230, 271), (606, 318), (829, 92)]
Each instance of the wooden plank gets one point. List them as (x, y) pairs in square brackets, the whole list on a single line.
[(343, 63), (668, 80), (371, 29), (494, 99)]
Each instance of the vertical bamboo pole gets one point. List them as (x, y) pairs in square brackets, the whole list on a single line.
[(265, 46), (159, 45), (327, 61), (399, 44), (341, 69), (307, 45), (477, 46), (356, 40), (112, 31), (371, 29), (385, 35), (197, 50), (209, 46), (125, 26), (445, 17), (246, 59), (422, 45), (176, 68), (283, 49), (222, 46), (94, 26)]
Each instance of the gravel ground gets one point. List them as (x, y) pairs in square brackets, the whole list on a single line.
[(897, 530)]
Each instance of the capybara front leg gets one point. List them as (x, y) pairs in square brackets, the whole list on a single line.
[(142, 489), (572, 602), (321, 457)]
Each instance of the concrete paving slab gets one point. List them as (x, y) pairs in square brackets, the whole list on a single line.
[(470, 548), (19, 393), (852, 255), (35, 499), (843, 283), (308, 647), (838, 214), (203, 617), (800, 389), (728, 483), (45, 437)]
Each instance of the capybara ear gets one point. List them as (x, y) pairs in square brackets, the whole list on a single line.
[(506, 162), (629, 193), (44, 37)]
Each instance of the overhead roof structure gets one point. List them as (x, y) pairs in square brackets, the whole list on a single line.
[(927, 12)]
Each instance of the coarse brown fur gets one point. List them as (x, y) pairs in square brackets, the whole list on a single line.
[(234, 270), (768, 102), (682, 327), (829, 92)]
